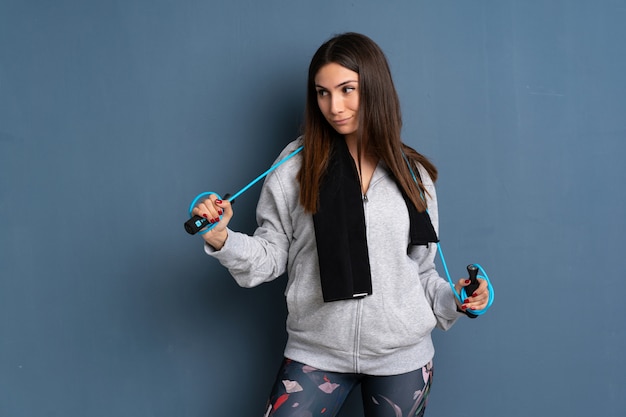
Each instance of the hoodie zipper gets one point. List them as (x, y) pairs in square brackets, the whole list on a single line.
[(359, 309), (357, 336)]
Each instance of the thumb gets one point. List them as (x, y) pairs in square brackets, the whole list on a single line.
[(463, 282)]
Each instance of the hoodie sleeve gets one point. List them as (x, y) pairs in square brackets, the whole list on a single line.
[(437, 289), (262, 257)]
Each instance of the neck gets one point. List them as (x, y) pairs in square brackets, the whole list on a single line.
[(366, 166), (366, 157), (352, 142)]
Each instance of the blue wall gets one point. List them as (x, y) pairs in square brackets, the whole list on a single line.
[(114, 115)]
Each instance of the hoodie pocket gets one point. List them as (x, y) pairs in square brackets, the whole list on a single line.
[(396, 319), (315, 323)]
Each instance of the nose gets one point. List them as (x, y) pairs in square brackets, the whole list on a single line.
[(336, 104)]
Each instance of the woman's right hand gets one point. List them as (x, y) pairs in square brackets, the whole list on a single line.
[(211, 209)]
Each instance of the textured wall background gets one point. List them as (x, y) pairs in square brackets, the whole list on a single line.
[(114, 115)]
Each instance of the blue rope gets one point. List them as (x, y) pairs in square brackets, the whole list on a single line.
[(459, 296)]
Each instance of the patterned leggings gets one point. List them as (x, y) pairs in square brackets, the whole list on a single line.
[(303, 391)]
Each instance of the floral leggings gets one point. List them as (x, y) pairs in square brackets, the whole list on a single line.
[(303, 391)]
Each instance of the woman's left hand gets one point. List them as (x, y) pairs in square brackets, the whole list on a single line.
[(476, 301)]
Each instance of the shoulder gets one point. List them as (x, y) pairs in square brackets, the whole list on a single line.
[(424, 175), (294, 147), (289, 158), (287, 165)]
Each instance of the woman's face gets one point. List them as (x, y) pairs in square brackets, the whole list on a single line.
[(338, 98)]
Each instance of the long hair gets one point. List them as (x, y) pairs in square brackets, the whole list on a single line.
[(379, 115)]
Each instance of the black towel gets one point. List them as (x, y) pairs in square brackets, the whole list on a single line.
[(340, 229)]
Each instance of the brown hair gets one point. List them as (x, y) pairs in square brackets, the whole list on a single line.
[(380, 119)]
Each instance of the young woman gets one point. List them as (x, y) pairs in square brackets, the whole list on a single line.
[(352, 219)]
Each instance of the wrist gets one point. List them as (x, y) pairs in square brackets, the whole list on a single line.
[(216, 239)]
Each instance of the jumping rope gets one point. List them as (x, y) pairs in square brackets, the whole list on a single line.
[(197, 224)]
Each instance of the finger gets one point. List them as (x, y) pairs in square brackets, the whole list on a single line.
[(200, 210), (482, 289), (224, 207), (225, 211), (208, 210), (463, 282), (211, 209), (472, 305), (479, 301), (476, 306)]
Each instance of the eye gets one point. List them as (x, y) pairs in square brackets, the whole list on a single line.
[(321, 92), (348, 89)]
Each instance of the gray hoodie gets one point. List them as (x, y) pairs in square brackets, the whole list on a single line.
[(386, 333)]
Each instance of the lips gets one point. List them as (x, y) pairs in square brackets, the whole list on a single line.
[(341, 121)]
